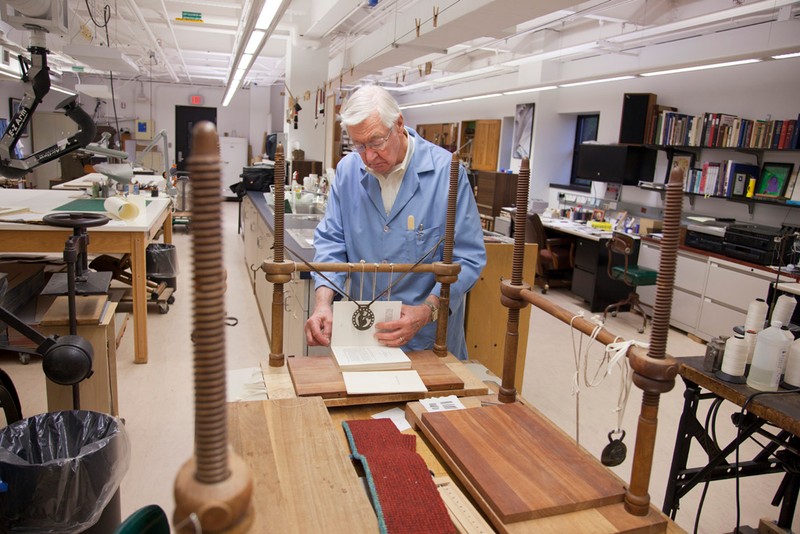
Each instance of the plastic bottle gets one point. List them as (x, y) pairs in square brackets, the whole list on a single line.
[(792, 376), (769, 357)]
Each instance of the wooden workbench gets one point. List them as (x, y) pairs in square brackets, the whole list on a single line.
[(116, 237), (279, 386)]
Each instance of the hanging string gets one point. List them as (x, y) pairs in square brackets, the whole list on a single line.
[(614, 354), (391, 276), (361, 288)]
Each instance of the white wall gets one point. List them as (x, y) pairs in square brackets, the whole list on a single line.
[(756, 91)]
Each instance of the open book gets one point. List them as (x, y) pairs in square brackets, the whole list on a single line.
[(358, 350)]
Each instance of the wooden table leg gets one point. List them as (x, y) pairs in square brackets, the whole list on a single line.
[(139, 289), (168, 227)]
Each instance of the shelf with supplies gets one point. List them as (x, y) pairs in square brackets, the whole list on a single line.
[(762, 182), (686, 138)]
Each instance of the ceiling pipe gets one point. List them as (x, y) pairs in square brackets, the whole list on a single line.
[(175, 38), (153, 40)]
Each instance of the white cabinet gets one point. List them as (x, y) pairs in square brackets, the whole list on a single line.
[(711, 295), (249, 235), (729, 290), (690, 276), (233, 158), (298, 294)]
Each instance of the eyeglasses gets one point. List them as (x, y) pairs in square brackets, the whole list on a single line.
[(372, 145)]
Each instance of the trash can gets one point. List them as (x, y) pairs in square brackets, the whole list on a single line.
[(61, 472), (162, 264)]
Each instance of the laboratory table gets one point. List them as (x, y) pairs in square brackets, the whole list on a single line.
[(774, 417), (116, 237)]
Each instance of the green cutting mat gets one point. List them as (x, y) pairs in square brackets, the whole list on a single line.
[(86, 204)]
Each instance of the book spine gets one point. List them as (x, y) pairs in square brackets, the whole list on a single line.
[(796, 136)]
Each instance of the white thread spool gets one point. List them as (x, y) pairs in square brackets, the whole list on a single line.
[(792, 376), (756, 315), (784, 308), (735, 359)]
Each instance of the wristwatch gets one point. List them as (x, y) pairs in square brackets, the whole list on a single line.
[(434, 310)]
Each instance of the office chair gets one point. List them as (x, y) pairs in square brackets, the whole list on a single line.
[(631, 275), (150, 519), (556, 256)]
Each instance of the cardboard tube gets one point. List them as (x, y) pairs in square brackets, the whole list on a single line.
[(121, 208)]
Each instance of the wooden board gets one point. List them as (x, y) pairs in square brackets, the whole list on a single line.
[(555, 476), (88, 310), (303, 480), (316, 376), (319, 375), (279, 385), (608, 519)]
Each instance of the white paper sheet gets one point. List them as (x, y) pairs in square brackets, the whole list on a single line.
[(376, 382)]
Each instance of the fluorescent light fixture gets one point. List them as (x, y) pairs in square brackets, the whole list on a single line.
[(63, 90), (479, 97), (412, 106), (531, 90), (229, 94), (253, 43), (447, 102), (787, 56), (701, 67), (271, 11), (601, 80), (268, 13)]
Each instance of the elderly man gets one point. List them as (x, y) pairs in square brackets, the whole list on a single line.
[(388, 204)]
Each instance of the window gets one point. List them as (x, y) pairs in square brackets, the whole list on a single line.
[(585, 130)]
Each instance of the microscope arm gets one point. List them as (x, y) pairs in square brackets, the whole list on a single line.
[(38, 74)]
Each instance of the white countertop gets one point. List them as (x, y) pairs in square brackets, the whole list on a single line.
[(36, 203)]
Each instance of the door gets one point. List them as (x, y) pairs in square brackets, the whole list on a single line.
[(185, 119)]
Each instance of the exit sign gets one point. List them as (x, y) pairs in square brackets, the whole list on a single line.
[(196, 100), (191, 15)]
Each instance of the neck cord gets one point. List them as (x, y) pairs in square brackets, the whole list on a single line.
[(363, 317)]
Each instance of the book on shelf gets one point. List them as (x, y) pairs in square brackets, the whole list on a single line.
[(795, 140), (357, 350)]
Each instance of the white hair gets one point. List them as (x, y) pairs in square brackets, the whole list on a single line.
[(367, 101)]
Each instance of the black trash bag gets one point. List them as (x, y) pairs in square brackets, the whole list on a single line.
[(62, 469), (161, 260)]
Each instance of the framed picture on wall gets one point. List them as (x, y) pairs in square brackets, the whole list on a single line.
[(683, 160), (523, 131), (13, 106), (774, 179)]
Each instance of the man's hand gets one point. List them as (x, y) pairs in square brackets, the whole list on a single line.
[(398, 333), (319, 325)]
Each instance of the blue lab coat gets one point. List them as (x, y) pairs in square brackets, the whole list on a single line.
[(355, 227)]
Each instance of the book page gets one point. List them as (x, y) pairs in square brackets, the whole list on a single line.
[(344, 331), (374, 382), (369, 356)]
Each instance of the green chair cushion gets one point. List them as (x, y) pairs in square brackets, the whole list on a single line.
[(637, 276)]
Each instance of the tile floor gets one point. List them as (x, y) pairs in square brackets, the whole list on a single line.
[(156, 398)]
